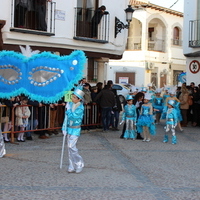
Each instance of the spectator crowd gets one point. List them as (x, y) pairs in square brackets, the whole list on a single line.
[(45, 119)]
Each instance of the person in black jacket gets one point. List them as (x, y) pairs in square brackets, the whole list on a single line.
[(196, 107), (115, 112), (21, 7), (33, 121), (107, 101), (96, 20), (40, 6)]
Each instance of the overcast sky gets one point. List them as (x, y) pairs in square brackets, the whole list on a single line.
[(168, 3)]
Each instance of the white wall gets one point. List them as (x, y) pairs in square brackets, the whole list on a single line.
[(190, 10), (134, 61), (190, 13), (128, 67), (65, 29)]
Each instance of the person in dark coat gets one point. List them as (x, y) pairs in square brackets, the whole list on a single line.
[(21, 7), (2, 23), (107, 101), (196, 107), (115, 112), (99, 87), (94, 93), (41, 14), (96, 20), (33, 121), (42, 121)]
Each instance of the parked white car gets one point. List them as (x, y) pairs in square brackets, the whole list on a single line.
[(122, 91)]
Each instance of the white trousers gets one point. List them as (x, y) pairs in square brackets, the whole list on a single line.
[(170, 127), (2, 146), (75, 160)]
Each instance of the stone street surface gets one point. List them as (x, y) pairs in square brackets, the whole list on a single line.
[(114, 168)]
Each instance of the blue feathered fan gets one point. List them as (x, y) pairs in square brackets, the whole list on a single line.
[(41, 76)]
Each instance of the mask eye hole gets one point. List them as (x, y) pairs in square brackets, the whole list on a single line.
[(42, 76), (10, 74)]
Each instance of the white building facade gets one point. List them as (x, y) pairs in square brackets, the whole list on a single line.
[(67, 27), (154, 50), (191, 44)]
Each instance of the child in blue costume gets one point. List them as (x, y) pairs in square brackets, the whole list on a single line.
[(166, 93), (152, 91), (171, 121), (158, 104), (129, 116), (145, 121), (172, 93), (72, 128)]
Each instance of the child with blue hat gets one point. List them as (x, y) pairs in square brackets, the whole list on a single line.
[(129, 117), (72, 128), (158, 104), (172, 96), (171, 121), (145, 123)]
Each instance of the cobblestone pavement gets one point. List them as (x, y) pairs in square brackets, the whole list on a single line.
[(114, 168)]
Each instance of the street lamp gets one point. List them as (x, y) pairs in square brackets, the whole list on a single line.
[(120, 25)]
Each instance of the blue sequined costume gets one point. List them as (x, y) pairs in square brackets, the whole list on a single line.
[(129, 116), (165, 97), (152, 96), (178, 111), (72, 125), (73, 120), (171, 122), (146, 119), (171, 117), (158, 104)]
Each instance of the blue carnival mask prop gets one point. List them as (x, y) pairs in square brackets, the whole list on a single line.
[(43, 77)]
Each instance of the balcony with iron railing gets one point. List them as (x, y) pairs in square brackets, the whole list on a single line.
[(156, 45), (134, 43), (35, 17), (176, 42), (86, 29), (194, 33)]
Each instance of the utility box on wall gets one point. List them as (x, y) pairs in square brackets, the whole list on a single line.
[(128, 75)]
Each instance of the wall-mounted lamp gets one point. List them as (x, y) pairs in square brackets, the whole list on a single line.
[(120, 25)]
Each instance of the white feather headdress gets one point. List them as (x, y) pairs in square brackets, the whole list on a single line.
[(172, 89), (28, 51)]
